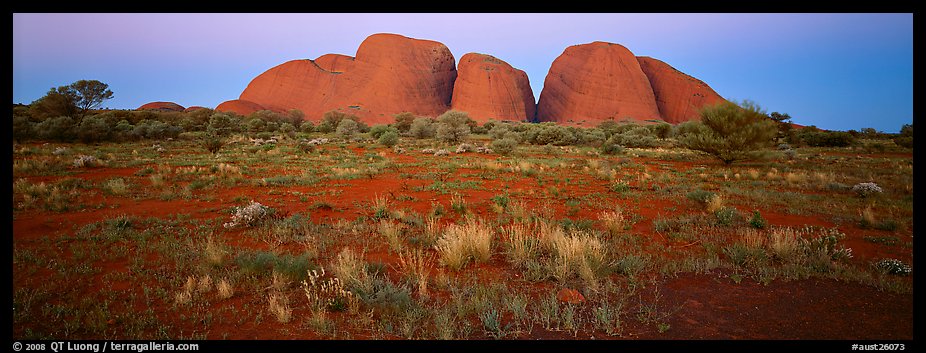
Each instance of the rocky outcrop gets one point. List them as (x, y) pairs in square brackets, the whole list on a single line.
[(335, 62), (193, 109), (678, 96), (240, 107), (162, 106), (389, 75), (595, 82), (490, 89)]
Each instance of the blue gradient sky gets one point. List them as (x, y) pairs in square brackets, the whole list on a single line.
[(835, 71)]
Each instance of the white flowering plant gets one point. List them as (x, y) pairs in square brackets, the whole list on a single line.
[(893, 266), (249, 215), (867, 189)]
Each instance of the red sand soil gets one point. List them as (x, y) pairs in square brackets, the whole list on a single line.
[(702, 306)]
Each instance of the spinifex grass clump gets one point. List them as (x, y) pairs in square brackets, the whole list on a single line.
[(461, 243)]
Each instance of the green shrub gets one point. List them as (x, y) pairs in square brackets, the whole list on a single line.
[(212, 143), (389, 138), (757, 221), (22, 128), (307, 127), (60, 128), (816, 138), (905, 137), (93, 129), (403, 121), (730, 132), (453, 126), (638, 137), (504, 146), (727, 216), (421, 128), (610, 147), (222, 124), (498, 131), (379, 130), (347, 128), (555, 135)]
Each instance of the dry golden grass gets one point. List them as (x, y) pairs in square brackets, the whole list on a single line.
[(784, 243), (415, 266), (795, 179), (225, 289), (578, 254), (185, 295), (714, 203), (519, 209), (157, 180), (613, 221), (393, 233), (521, 245), (213, 252), (279, 306), (753, 173), (460, 243), (868, 216), (752, 238), (351, 269), (204, 284)]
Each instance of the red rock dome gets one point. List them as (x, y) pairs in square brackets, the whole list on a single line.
[(678, 96), (595, 82), (390, 74), (490, 89), (162, 106)]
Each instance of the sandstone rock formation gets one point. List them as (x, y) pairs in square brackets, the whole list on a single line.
[(678, 96), (591, 83), (335, 62), (193, 109), (568, 295), (162, 106), (240, 107), (488, 88), (390, 74)]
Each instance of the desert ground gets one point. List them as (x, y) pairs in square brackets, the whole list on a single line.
[(161, 239)]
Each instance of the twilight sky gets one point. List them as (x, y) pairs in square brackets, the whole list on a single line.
[(835, 71)]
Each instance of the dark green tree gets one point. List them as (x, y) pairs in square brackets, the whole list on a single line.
[(89, 94), (730, 132)]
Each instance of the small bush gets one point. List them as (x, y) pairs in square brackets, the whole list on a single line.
[(729, 132), (866, 189), (389, 138), (727, 216), (347, 128), (84, 161), (757, 221), (453, 126), (249, 215), (893, 266), (213, 143), (504, 146), (610, 147), (421, 128)]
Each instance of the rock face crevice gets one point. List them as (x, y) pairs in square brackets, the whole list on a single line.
[(391, 74), (488, 88)]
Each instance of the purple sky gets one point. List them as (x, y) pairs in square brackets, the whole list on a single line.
[(836, 71)]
